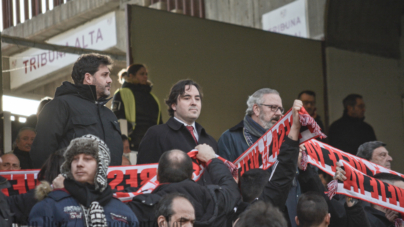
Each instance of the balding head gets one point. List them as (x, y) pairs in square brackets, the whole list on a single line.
[(10, 162), (174, 166)]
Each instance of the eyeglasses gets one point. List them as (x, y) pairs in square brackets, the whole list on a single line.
[(274, 108)]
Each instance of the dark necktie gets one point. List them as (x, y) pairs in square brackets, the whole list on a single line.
[(191, 130)]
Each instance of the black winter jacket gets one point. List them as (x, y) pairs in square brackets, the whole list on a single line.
[(348, 133), (212, 203), (24, 157), (75, 112), (168, 136)]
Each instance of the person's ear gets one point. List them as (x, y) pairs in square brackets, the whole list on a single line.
[(256, 109), (174, 106), (296, 220), (88, 79), (327, 219), (161, 221)]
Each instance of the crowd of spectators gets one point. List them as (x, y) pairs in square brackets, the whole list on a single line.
[(77, 138)]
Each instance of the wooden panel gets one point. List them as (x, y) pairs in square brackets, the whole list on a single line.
[(230, 62)]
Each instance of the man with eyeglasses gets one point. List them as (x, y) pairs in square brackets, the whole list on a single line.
[(264, 109)]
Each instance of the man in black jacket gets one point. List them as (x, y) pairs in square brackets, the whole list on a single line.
[(212, 203), (180, 131), (78, 109), (350, 131)]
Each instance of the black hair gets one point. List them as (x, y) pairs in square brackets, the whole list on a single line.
[(366, 150), (132, 69), (252, 184), (165, 205), (173, 167), (311, 209), (263, 215), (177, 90), (309, 92), (350, 100), (51, 168), (88, 63)]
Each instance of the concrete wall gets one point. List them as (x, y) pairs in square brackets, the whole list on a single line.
[(249, 13), (230, 62), (381, 82)]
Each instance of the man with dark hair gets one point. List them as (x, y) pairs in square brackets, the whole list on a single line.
[(79, 109), (174, 210), (376, 152), (22, 146), (263, 215), (312, 211), (308, 98), (180, 131), (350, 131), (252, 184), (212, 203)]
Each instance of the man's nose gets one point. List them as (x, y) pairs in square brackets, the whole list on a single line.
[(80, 162), (389, 158), (109, 80)]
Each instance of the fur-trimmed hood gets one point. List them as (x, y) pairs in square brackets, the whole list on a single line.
[(94, 146)]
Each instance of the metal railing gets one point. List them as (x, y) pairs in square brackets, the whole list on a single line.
[(194, 8), (26, 7), (32, 8)]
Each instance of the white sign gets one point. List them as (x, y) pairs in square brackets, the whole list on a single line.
[(289, 20), (98, 34)]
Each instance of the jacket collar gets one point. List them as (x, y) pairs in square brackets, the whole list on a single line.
[(176, 125), (87, 92), (352, 119), (59, 194), (237, 127)]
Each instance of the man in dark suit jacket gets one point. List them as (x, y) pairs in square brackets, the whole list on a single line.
[(181, 131)]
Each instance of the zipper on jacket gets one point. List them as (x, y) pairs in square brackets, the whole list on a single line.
[(85, 216)]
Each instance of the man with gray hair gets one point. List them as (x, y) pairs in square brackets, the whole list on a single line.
[(376, 152), (264, 109)]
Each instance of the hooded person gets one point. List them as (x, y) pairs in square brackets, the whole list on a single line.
[(84, 198)]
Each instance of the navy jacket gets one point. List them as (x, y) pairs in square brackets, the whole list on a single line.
[(232, 142), (59, 208)]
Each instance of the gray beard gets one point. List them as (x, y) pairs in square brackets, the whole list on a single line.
[(264, 124)]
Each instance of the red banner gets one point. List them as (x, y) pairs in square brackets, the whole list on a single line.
[(359, 184), (119, 177), (325, 157), (263, 153)]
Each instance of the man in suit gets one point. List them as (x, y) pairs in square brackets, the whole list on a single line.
[(180, 131)]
